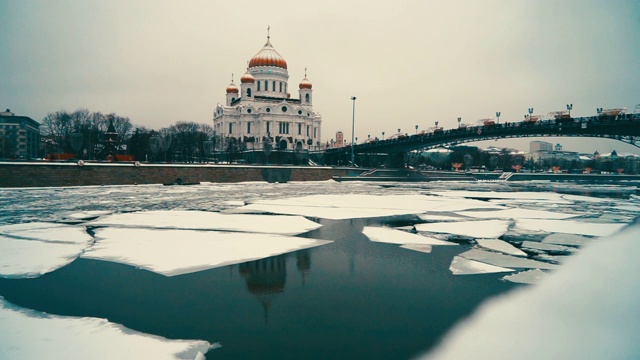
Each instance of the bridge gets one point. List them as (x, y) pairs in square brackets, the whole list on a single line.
[(623, 127)]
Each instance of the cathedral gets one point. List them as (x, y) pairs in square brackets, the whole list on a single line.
[(261, 113)]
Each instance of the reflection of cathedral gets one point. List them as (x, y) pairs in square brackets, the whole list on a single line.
[(262, 110), (265, 279)]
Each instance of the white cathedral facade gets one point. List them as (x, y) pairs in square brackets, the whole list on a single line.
[(262, 113)]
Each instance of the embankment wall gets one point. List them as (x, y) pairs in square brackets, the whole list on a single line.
[(47, 174)]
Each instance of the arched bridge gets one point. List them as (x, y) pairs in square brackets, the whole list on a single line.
[(624, 127)]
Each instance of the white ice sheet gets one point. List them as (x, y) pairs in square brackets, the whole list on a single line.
[(497, 259), (546, 247), (31, 258), (392, 236), (475, 229), (567, 239), (527, 277), (176, 252), (516, 213), (420, 248), (462, 266), (28, 334), (351, 206), (569, 227), (500, 195), (500, 246), (201, 220)]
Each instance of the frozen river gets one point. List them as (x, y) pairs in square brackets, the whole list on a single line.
[(297, 270)]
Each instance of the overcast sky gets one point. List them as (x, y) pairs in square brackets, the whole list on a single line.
[(407, 62)]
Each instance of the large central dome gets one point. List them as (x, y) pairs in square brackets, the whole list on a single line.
[(268, 56)]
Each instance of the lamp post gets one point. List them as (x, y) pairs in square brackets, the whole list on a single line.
[(459, 120), (498, 116), (353, 125), (436, 125), (416, 129), (569, 108), (530, 113), (383, 135)]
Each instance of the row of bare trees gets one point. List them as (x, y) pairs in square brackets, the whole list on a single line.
[(83, 133)]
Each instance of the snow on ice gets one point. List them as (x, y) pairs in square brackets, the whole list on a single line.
[(493, 258), (29, 334), (175, 252), (392, 236), (500, 246), (463, 266), (527, 277), (201, 220), (569, 227), (475, 229)]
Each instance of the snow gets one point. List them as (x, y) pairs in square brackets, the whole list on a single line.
[(392, 236), (588, 309), (29, 334), (497, 259), (527, 277), (33, 249), (475, 229), (516, 213), (435, 217), (420, 248), (500, 246), (354, 206), (31, 258), (547, 248), (462, 266), (569, 227), (567, 239), (176, 252), (500, 195), (201, 220)]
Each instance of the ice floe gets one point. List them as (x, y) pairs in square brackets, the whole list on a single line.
[(475, 229), (567, 239), (552, 249), (201, 220), (351, 206), (569, 227), (500, 195), (31, 258), (176, 252), (392, 236), (33, 249), (493, 258), (516, 213), (587, 309), (420, 248), (463, 266), (500, 246), (29, 334), (527, 277), (87, 215), (435, 217)]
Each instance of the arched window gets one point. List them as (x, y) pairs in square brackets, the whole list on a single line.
[(280, 86), (258, 85), (306, 97), (266, 85), (274, 86), (248, 92), (233, 99)]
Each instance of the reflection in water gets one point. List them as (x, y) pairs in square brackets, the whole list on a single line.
[(303, 263), (265, 279)]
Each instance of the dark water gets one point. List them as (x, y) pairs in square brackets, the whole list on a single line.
[(351, 299)]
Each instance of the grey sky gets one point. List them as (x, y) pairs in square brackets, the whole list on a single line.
[(408, 62)]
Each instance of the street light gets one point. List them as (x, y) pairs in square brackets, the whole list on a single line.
[(530, 112), (353, 124), (416, 129), (459, 119), (498, 116), (569, 108), (436, 124), (383, 135)]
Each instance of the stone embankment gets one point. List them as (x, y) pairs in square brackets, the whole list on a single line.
[(56, 174)]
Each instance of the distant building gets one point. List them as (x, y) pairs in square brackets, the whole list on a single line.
[(339, 140), (19, 136), (558, 147), (540, 146), (262, 111)]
